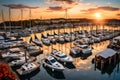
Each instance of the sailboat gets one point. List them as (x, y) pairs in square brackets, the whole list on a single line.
[(67, 37), (52, 37), (28, 67), (21, 61), (60, 39), (45, 40), (13, 53), (37, 41)]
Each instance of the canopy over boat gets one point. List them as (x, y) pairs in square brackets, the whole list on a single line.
[(107, 53)]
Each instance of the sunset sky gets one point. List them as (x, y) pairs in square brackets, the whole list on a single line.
[(93, 9)]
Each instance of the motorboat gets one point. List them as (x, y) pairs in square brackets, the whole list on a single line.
[(52, 63), (53, 39), (67, 37), (61, 56), (61, 39), (85, 49), (75, 51)]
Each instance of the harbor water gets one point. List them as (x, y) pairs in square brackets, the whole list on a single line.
[(80, 69)]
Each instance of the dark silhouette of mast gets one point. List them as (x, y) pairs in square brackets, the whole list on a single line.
[(10, 19), (30, 18), (3, 20), (22, 18)]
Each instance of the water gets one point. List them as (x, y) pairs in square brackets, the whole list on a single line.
[(79, 70)]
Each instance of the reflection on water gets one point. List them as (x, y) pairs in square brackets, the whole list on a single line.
[(29, 76), (109, 69), (81, 69), (70, 65), (55, 74)]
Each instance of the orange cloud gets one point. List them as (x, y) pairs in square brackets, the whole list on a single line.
[(118, 14), (105, 8), (66, 1), (56, 8), (18, 6), (107, 12)]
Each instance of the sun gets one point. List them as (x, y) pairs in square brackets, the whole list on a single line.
[(98, 15)]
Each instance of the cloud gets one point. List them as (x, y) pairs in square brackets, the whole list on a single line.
[(18, 6), (56, 8), (118, 14), (65, 1), (106, 8), (109, 3)]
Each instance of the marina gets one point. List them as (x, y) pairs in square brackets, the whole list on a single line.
[(59, 40), (84, 61)]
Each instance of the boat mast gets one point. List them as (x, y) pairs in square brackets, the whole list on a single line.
[(59, 37), (30, 19), (10, 19), (3, 20), (25, 54), (52, 34), (66, 16), (21, 18)]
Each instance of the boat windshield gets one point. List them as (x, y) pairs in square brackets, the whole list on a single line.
[(53, 61), (64, 56)]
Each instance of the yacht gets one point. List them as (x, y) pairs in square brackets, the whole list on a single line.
[(61, 39), (61, 56), (75, 51), (67, 37), (52, 38), (85, 49), (51, 62)]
